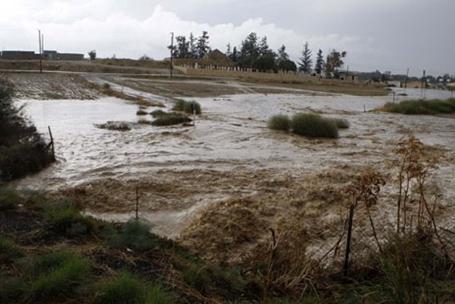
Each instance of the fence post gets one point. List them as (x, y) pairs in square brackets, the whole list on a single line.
[(52, 143)]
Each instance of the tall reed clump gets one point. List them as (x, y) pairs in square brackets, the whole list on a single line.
[(313, 125), (22, 149), (412, 263)]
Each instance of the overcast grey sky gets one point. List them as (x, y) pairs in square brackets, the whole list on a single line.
[(377, 34)]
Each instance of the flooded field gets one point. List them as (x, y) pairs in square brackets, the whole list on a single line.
[(228, 157)]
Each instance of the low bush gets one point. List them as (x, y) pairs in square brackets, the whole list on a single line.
[(192, 107), (341, 123), (58, 274), (67, 219), (158, 113), (187, 107), (279, 122), (313, 125), (170, 119), (179, 105), (134, 235), (9, 199), (423, 107), (141, 112)]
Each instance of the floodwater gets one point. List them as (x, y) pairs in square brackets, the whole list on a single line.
[(182, 169)]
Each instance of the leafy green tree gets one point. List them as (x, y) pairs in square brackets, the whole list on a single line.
[(265, 62), (92, 55), (202, 45), (282, 54), (234, 55), (182, 48), (333, 62), (319, 67), (306, 64), (192, 46), (287, 65), (249, 52)]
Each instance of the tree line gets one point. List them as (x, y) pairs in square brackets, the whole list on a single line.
[(255, 53)]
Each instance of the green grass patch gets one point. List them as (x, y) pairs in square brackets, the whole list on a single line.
[(187, 107), (134, 235), (8, 250), (279, 122), (9, 199), (170, 119), (421, 107), (66, 219), (127, 289), (58, 274), (313, 125), (12, 289)]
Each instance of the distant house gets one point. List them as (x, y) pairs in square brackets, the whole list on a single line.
[(47, 55), (217, 58), (348, 77), (54, 55), (19, 55), (394, 84)]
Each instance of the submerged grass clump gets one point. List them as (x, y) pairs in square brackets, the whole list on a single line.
[(310, 125), (422, 107), (170, 119), (313, 125), (279, 122), (158, 113), (187, 107)]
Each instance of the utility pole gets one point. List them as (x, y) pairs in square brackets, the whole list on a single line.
[(40, 41), (424, 84), (406, 79), (171, 67)]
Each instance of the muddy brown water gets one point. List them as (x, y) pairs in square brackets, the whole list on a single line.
[(229, 153)]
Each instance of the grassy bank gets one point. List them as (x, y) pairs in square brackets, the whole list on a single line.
[(51, 253), (22, 149), (421, 107)]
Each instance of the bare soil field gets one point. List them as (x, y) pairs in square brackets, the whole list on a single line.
[(296, 82)]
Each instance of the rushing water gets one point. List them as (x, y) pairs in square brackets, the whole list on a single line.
[(231, 133)]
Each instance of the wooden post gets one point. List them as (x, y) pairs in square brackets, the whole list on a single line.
[(137, 203), (52, 143), (348, 241)]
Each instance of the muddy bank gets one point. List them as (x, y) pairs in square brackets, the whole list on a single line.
[(48, 86)]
